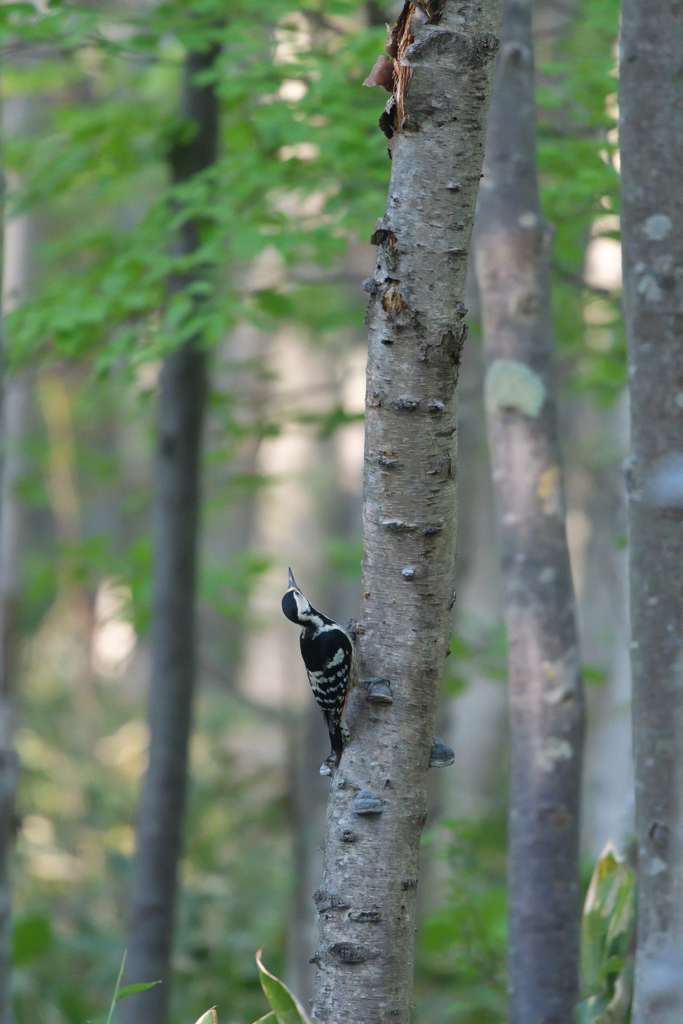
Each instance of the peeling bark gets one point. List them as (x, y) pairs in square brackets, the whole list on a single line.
[(416, 321), (182, 400), (546, 698), (651, 138)]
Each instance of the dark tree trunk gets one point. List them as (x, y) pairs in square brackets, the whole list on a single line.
[(651, 140), (546, 698), (378, 800), (182, 399)]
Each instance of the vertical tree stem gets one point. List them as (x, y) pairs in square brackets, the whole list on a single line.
[(546, 699), (651, 140), (182, 398), (416, 321), (16, 261), (7, 757)]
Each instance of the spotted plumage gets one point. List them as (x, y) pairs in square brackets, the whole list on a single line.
[(327, 652)]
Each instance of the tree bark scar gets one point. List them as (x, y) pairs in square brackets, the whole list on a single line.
[(325, 901), (350, 952), (392, 300), (383, 236), (373, 916), (406, 404), (398, 525)]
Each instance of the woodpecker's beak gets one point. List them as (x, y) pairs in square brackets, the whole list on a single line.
[(291, 582)]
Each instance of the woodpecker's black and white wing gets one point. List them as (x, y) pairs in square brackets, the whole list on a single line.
[(327, 656)]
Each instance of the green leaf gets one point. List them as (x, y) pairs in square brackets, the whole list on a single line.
[(120, 992), (137, 986), (607, 931), (286, 1008), (209, 1017), (31, 938)]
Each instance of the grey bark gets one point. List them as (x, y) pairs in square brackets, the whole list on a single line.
[(17, 248), (182, 399), (597, 498), (651, 142), (546, 699), (367, 902)]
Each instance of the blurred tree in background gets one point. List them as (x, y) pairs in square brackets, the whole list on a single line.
[(286, 211)]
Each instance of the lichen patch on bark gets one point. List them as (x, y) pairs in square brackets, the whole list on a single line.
[(511, 384)]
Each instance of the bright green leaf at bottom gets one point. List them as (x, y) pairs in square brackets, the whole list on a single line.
[(286, 1008)]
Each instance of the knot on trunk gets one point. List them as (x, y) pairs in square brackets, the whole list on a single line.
[(350, 952)]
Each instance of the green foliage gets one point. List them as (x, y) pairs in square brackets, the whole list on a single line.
[(122, 991), (461, 952), (228, 587), (31, 937), (607, 942), (285, 1008), (98, 174), (580, 191), (475, 651), (78, 799)]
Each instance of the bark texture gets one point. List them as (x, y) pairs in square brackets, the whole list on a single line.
[(182, 399), (651, 139), (546, 698), (416, 320)]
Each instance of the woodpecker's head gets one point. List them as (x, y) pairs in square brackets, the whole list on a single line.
[(295, 606)]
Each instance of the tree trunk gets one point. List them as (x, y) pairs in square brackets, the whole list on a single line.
[(378, 799), (651, 134), (182, 397), (546, 699), (15, 411), (7, 757), (596, 488)]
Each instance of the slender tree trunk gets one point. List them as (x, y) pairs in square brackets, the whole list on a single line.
[(7, 756), (651, 134), (600, 571), (17, 249), (378, 799), (546, 700), (182, 398)]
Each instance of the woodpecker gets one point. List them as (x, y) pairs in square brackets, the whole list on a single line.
[(327, 652)]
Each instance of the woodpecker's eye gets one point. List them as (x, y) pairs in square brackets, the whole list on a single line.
[(289, 606)]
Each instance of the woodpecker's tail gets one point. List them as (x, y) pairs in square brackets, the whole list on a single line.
[(336, 737)]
